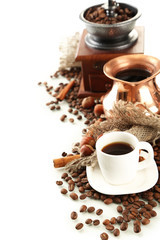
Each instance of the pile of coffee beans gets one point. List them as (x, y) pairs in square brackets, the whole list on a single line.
[(79, 108), (136, 209), (98, 15)]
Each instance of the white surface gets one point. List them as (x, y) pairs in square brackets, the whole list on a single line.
[(144, 180), (31, 206)]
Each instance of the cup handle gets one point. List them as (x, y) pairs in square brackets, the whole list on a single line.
[(146, 146)]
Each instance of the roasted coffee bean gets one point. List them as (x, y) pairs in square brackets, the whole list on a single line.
[(83, 208), (87, 122), (83, 196), (71, 120), (139, 216), (124, 226), (87, 186), (74, 215), (58, 107), (75, 174), (70, 110), (125, 212), (78, 180), (67, 179), (157, 188), (70, 181), (120, 219), (49, 103), (96, 195), (147, 215), (142, 210), (137, 222), (110, 227), (63, 117), (108, 201), (131, 216), (59, 183), (89, 194), (57, 89), (64, 191), (106, 222), (79, 184), (83, 175), (152, 203), (125, 203), (64, 175), (91, 209), (134, 214), (136, 198), (136, 205), (52, 107), (124, 197), (99, 211), (133, 210), (75, 112), (157, 195), (113, 220), (81, 189), (88, 221), (142, 203), (116, 232), (104, 236), (126, 218), (71, 187), (137, 228), (74, 196), (64, 154), (153, 213), (103, 197), (116, 200), (84, 130), (130, 199), (119, 209), (145, 221), (84, 180), (148, 207), (79, 117), (79, 226), (96, 222)]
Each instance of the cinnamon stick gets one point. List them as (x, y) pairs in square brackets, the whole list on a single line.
[(61, 162), (65, 90)]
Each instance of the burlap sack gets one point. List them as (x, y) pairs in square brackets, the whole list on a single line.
[(124, 116)]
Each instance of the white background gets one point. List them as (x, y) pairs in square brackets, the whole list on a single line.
[(31, 206)]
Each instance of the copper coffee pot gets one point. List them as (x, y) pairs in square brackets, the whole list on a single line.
[(133, 81)]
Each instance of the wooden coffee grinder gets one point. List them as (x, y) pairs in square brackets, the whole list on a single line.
[(101, 42)]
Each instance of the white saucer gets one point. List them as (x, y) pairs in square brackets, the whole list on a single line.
[(144, 180)]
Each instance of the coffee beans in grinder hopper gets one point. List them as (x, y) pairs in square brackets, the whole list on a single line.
[(98, 15)]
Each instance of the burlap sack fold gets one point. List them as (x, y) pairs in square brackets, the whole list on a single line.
[(124, 116)]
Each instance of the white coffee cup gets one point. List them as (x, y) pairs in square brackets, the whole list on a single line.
[(122, 169)]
